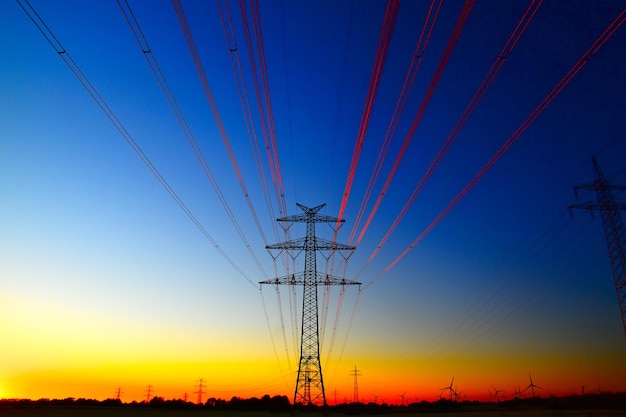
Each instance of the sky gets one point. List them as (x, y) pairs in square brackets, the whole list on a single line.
[(106, 283)]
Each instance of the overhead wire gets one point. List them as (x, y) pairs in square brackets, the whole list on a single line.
[(242, 90), (262, 94), (582, 61), (517, 301), (340, 89), (456, 130), (161, 80), (288, 94), (102, 104), (384, 40), (507, 290), (258, 68), (269, 328), (420, 48), (430, 91), (409, 79), (391, 13)]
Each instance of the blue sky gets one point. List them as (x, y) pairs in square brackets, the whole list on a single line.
[(505, 279)]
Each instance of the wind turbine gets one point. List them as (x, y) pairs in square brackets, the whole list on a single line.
[(402, 397), (518, 392), (497, 391), (452, 392), (532, 386), (375, 398)]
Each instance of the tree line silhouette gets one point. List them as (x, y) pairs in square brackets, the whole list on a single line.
[(280, 403)]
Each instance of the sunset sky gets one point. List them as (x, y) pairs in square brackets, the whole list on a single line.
[(107, 283)]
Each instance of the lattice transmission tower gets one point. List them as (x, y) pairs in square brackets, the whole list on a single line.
[(614, 231), (356, 374), (309, 381)]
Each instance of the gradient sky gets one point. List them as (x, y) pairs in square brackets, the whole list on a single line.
[(106, 283)]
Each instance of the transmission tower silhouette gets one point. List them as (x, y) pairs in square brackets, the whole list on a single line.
[(200, 390), (118, 394), (309, 381), (614, 231), (356, 374), (148, 393)]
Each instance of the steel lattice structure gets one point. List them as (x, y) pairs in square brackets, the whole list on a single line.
[(309, 381), (614, 231)]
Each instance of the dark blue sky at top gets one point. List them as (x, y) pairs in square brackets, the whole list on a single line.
[(67, 173)]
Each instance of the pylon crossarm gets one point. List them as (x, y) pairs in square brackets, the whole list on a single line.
[(325, 244), (304, 218), (291, 279), (299, 279), (328, 279), (596, 187), (599, 206), (295, 244), (323, 218)]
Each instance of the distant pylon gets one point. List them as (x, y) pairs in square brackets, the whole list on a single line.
[(356, 374), (309, 381), (614, 231), (118, 394), (148, 393), (200, 391)]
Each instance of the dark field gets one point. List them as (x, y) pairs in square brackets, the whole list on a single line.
[(149, 412)]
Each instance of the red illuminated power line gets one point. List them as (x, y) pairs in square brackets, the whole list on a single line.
[(582, 61), (389, 20), (469, 110), (416, 60), (262, 94), (242, 90), (119, 126), (456, 33), (180, 118)]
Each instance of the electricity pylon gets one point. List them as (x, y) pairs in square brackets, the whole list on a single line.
[(200, 391), (309, 382), (614, 231), (356, 374)]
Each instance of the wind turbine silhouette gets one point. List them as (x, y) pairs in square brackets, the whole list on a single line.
[(375, 398), (532, 386), (518, 392), (452, 392), (402, 397), (497, 391)]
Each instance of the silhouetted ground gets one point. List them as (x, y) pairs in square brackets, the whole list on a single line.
[(593, 405)]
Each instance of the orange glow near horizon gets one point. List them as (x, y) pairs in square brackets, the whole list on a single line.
[(386, 380), (47, 360)]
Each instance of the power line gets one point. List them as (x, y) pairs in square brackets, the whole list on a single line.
[(416, 60), (391, 13), (95, 95), (469, 110), (430, 91), (182, 122), (582, 61)]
